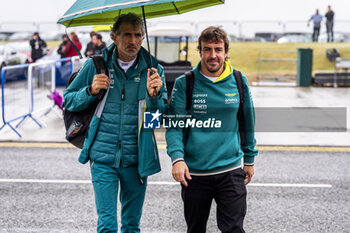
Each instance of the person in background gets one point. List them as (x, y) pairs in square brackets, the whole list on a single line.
[(69, 50), (329, 24), (38, 46), (316, 19), (90, 46), (98, 44), (62, 46)]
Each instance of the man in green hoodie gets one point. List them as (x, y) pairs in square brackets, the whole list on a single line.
[(207, 156), (121, 151)]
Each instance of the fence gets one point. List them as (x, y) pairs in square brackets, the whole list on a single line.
[(248, 28), (344, 64), (20, 95), (243, 28), (271, 63)]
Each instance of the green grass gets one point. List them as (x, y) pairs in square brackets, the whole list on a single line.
[(244, 56), (52, 44)]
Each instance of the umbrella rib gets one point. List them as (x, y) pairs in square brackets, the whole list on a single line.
[(106, 7), (176, 8), (92, 16)]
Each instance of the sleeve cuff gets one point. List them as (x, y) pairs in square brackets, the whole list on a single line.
[(153, 102), (89, 96), (248, 160), (177, 155), (159, 95), (88, 91), (177, 160)]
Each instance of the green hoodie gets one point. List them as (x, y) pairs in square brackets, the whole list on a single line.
[(213, 149)]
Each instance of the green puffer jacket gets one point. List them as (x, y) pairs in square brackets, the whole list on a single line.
[(116, 135)]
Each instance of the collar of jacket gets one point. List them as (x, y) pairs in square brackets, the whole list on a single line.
[(110, 54), (223, 77)]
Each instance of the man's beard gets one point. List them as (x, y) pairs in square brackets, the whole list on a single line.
[(213, 70)]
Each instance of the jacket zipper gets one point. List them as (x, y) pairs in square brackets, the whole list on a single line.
[(122, 97), (119, 143), (123, 94)]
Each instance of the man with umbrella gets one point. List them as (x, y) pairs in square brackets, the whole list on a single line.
[(121, 151)]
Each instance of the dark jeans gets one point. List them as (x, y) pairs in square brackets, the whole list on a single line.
[(316, 34), (229, 192), (330, 36)]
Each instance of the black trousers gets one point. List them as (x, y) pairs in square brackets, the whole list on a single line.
[(229, 192), (330, 36)]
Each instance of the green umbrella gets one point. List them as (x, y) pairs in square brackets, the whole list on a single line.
[(88, 12)]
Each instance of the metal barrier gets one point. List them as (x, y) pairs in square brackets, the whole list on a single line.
[(40, 81), (15, 113), (64, 73), (77, 63), (269, 57)]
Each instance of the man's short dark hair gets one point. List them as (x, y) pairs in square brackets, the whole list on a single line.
[(129, 18), (98, 36), (92, 33), (213, 34)]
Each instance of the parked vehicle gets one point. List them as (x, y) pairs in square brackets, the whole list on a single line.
[(20, 36), (294, 39), (4, 36), (338, 37), (170, 47), (10, 56), (251, 39), (22, 47), (269, 36), (51, 36)]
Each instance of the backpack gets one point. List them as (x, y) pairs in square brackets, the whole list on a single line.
[(77, 123), (240, 117)]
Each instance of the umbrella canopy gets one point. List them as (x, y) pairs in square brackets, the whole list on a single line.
[(87, 12)]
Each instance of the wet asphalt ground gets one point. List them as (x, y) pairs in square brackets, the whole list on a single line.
[(291, 192)]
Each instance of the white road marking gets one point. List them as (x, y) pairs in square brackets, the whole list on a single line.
[(291, 185), (163, 147), (283, 185), (45, 181)]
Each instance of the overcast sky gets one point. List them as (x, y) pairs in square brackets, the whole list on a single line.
[(233, 10)]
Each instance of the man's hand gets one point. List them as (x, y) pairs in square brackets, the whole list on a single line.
[(180, 172), (101, 81), (154, 82), (249, 170)]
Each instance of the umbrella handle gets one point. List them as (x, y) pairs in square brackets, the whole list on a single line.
[(155, 89)]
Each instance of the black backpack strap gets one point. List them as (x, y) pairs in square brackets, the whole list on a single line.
[(240, 114), (189, 88), (101, 68)]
